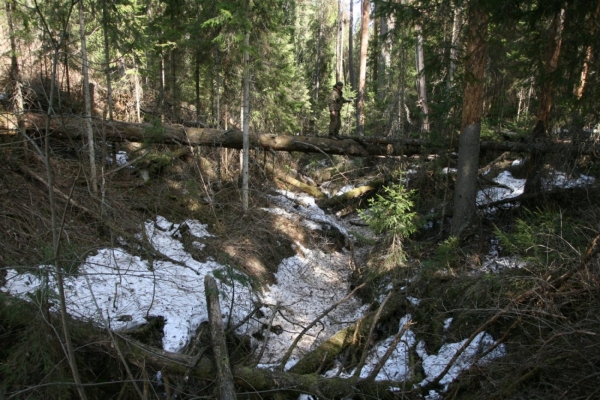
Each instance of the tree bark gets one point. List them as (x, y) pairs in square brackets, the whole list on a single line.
[(533, 183), (107, 59), (245, 123), (351, 46), (217, 336), (421, 81), (456, 28), (384, 56), (351, 194), (118, 131), (589, 53), (15, 74), (362, 68), (465, 190), (339, 44), (88, 103)]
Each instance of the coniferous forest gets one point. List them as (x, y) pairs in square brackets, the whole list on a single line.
[(113, 113)]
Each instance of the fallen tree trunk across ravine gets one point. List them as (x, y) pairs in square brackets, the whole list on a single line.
[(117, 131)]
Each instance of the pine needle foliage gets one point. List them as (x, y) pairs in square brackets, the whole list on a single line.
[(391, 214), (543, 237)]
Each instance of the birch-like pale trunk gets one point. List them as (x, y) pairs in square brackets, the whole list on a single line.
[(87, 115), (384, 58), (218, 88), (454, 45), (136, 80), (317, 72), (338, 43), (246, 123), (421, 80), (15, 74), (109, 94)]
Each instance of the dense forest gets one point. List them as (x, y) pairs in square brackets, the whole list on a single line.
[(217, 104)]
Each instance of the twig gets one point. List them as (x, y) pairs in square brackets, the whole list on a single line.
[(288, 354), (363, 357), (266, 340), (112, 338), (592, 250), (389, 351)]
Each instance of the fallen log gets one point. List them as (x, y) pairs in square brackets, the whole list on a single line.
[(250, 379), (351, 194), (217, 336), (118, 131)]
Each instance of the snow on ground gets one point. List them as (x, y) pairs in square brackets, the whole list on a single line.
[(510, 187), (436, 363), (121, 289)]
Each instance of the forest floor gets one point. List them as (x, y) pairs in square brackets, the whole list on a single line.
[(520, 274)]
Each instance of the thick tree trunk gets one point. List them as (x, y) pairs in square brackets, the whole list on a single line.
[(465, 190), (351, 47), (362, 69)]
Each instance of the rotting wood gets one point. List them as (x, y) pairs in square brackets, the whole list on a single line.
[(329, 350), (248, 378), (312, 190), (351, 194), (118, 131), (217, 336)]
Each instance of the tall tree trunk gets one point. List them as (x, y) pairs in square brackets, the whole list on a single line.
[(421, 81), (45, 155), (339, 44), (384, 56), (533, 184), (246, 123), (218, 88), (465, 190), (456, 28), (88, 103), (317, 72), (15, 74), (136, 83), (107, 59), (173, 89), (351, 47), (162, 100), (197, 84), (362, 71), (589, 53)]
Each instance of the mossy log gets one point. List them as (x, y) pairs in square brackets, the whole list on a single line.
[(326, 353), (250, 379), (352, 194)]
